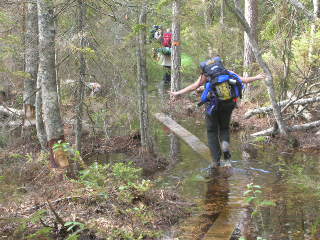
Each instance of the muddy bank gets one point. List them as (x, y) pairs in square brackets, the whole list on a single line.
[(104, 200)]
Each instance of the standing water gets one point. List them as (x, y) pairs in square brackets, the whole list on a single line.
[(284, 203)]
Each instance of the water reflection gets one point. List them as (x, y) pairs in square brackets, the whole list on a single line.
[(214, 202), (175, 150)]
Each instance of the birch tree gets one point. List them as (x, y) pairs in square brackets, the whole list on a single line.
[(31, 61), (176, 54), (146, 141), (269, 79), (46, 75)]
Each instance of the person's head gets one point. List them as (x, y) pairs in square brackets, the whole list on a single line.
[(217, 59), (168, 30)]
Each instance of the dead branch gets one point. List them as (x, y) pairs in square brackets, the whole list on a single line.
[(286, 103), (294, 128), (6, 111)]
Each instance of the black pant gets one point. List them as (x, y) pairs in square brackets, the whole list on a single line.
[(218, 127), (167, 74)]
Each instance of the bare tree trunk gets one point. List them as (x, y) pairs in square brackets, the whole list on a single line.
[(264, 66), (251, 15), (41, 131), (314, 28), (176, 55), (79, 102), (146, 141), (31, 61), (222, 13), (208, 19), (222, 26), (51, 110)]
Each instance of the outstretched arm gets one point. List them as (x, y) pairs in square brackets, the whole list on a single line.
[(200, 81), (260, 76)]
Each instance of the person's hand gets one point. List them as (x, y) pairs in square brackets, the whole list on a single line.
[(173, 95), (261, 76)]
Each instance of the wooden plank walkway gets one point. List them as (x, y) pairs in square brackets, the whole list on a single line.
[(185, 135), (230, 216)]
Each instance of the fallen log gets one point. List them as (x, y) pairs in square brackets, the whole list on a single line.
[(11, 124), (6, 111), (294, 128), (282, 103)]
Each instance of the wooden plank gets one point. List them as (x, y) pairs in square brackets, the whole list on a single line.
[(230, 216), (186, 136)]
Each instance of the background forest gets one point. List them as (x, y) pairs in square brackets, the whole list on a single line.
[(79, 77)]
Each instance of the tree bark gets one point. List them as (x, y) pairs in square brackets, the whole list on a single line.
[(176, 54), (51, 110), (264, 66), (81, 86), (146, 141), (251, 15)]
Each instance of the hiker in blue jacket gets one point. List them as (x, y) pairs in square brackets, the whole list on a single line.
[(218, 121)]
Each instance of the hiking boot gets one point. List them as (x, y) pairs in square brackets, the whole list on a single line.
[(227, 155), (227, 159)]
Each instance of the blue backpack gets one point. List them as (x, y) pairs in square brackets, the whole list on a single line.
[(222, 85)]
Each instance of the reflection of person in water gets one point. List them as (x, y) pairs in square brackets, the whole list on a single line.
[(216, 200), (217, 193)]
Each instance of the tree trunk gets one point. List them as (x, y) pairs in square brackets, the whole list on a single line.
[(51, 110), (314, 28), (251, 15), (81, 86), (41, 131), (222, 13), (31, 61), (146, 141), (264, 66), (176, 55), (208, 19), (222, 26)]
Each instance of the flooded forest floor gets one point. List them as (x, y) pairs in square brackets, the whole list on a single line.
[(113, 198)]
